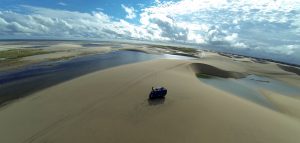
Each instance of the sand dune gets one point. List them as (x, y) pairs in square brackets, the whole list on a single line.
[(200, 68), (285, 104), (112, 106), (290, 69)]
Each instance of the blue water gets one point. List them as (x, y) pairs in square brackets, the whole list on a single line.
[(18, 83), (22, 82), (248, 87), (76, 66)]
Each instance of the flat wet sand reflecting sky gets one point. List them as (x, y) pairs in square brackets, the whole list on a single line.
[(248, 87)]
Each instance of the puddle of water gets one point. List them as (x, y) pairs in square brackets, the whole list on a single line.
[(271, 84), (177, 57), (247, 88)]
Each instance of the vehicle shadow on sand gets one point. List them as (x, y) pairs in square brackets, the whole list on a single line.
[(157, 101)]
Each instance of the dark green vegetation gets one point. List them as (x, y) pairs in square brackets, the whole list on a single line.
[(208, 71), (290, 69), (182, 49), (20, 53), (202, 75)]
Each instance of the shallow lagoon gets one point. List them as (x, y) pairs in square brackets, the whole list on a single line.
[(21, 82), (248, 87)]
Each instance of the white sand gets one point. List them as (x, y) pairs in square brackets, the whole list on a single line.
[(111, 106)]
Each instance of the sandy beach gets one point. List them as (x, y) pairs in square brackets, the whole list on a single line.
[(112, 106)]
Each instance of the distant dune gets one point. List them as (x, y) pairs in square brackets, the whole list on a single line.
[(290, 69), (200, 68)]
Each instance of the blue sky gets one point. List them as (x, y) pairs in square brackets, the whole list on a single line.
[(264, 28), (110, 7)]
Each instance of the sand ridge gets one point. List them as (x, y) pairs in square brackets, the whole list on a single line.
[(111, 106)]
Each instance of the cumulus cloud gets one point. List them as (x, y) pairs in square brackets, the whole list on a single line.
[(52, 23), (230, 15), (289, 49), (59, 23), (130, 12), (244, 26)]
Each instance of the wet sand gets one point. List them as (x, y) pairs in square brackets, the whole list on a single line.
[(112, 106)]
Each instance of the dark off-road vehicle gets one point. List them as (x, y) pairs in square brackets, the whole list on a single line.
[(158, 92)]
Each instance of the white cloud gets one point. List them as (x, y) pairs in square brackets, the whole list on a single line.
[(242, 24), (157, 1), (51, 23), (140, 5), (62, 4), (100, 9), (130, 12), (59, 23), (288, 49)]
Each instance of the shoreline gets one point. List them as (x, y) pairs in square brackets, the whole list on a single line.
[(40, 76)]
